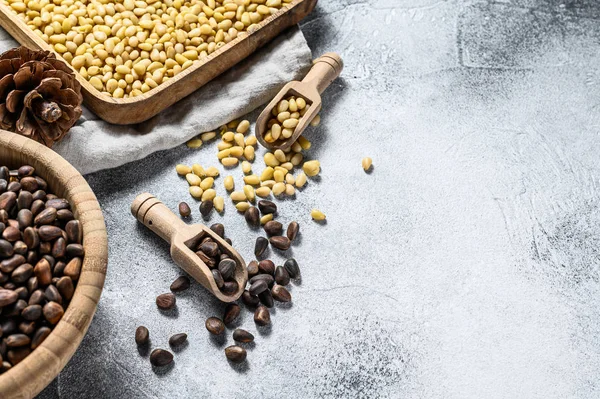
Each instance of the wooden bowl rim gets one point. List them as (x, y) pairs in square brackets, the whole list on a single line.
[(36, 371)]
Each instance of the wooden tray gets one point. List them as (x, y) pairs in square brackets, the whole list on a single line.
[(125, 111)]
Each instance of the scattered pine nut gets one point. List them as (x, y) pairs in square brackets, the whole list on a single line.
[(209, 195), (196, 192), (229, 183), (242, 206), (266, 218), (366, 163), (263, 192), (183, 170), (246, 167), (194, 143), (301, 180), (192, 179), (311, 168), (219, 203), (317, 214), (316, 121), (238, 196)]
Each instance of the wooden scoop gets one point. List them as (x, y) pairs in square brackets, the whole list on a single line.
[(182, 237), (324, 71)]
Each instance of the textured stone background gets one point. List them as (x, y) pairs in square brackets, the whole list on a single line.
[(464, 266)]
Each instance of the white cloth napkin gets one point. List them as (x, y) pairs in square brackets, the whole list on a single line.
[(93, 144)]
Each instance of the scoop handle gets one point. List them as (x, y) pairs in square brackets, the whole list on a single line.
[(156, 216), (325, 70)]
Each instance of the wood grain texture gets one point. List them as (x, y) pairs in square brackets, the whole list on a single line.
[(124, 111), (161, 220), (28, 378), (325, 70)]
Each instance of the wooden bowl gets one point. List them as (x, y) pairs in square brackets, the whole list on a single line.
[(36, 371)]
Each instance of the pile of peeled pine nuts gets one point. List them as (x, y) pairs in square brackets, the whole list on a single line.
[(125, 48)]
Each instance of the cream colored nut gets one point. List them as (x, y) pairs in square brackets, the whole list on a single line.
[(279, 176), (194, 143), (287, 133), (208, 136), (211, 171), (276, 131), (249, 191), (268, 183), (242, 206), (293, 105), (243, 127), (296, 147), (301, 103), (290, 179), (304, 143), (207, 183), (238, 196), (198, 170), (317, 214), (196, 192), (209, 194), (282, 106), (229, 161), (228, 183), (222, 145), (296, 159), (301, 180), (366, 163), (311, 168), (267, 174), (252, 180), (279, 155), (251, 141), (192, 179), (224, 153), (219, 203), (246, 166), (236, 151), (316, 121), (228, 136), (287, 165), (291, 123), (263, 192), (182, 169), (270, 160), (282, 116), (266, 218), (289, 190), (278, 188), (239, 139), (249, 153)]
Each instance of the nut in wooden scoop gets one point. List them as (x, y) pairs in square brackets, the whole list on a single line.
[(189, 242), (324, 71)]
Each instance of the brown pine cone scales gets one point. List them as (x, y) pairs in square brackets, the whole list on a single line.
[(40, 97)]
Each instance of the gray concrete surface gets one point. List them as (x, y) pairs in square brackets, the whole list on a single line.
[(465, 266)]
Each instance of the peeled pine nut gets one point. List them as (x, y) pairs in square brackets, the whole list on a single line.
[(267, 174), (366, 163), (243, 127), (279, 155), (211, 171), (249, 153), (263, 192), (311, 168), (236, 151), (238, 196), (198, 170), (304, 143), (194, 143), (228, 183), (229, 161), (207, 183), (251, 140), (278, 188), (289, 189), (278, 176), (296, 159), (219, 203), (270, 160), (249, 192), (301, 180), (196, 192), (229, 136), (192, 179), (252, 180), (317, 214), (209, 194), (246, 167), (316, 120), (242, 206), (266, 218), (239, 139), (208, 136), (289, 178), (183, 170), (268, 183)]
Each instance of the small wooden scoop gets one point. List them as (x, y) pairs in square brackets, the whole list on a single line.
[(324, 71), (182, 237)]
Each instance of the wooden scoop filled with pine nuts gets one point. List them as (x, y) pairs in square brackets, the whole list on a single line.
[(193, 246), (297, 104)]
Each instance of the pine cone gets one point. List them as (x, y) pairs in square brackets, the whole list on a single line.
[(40, 97)]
